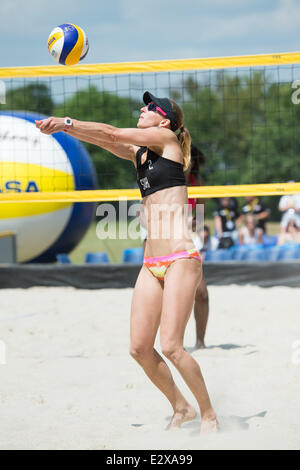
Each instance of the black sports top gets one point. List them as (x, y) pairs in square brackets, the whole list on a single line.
[(157, 172)]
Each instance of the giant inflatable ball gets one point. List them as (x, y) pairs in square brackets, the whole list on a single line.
[(29, 162)]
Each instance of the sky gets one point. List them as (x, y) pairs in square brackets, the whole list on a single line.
[(136, 30)]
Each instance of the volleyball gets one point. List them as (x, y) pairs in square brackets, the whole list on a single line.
[(68, 44), (34, 162)]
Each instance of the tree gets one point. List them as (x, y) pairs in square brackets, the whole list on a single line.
[(92, 105), (35, 97)]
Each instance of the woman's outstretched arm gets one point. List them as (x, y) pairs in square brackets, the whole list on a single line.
[(53, 125), (99, 132)]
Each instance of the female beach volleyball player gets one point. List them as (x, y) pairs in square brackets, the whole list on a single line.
[(165, 288)]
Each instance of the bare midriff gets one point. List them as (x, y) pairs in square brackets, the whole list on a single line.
[(166, 222)]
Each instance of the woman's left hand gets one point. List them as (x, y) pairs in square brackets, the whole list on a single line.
[(51, 125)]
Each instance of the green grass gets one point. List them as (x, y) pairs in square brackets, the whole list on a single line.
[(91, 243), (114, 248)]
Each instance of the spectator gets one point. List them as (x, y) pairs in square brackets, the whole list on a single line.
[(255, 206), (225, 222), (292, 232), (290, 206), (250, 234), (202, 240), (194, 179)]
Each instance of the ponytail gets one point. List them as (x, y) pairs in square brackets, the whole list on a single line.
[(183, 136), (185, 142)]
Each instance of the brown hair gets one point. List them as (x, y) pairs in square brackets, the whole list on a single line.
[(250, 217), (183, 136)]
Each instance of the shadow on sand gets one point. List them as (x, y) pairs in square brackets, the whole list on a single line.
[(225, 347), (227, 423)]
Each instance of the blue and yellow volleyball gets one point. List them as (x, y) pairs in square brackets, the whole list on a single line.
[(68, 44)]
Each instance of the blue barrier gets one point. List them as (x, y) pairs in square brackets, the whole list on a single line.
[(96, 258), (238, 252), (63, 258), (272, 253), (282, 252), (218, 255), (269, 240), (288, 254), (133, 255), (254, 255), (207, 255)]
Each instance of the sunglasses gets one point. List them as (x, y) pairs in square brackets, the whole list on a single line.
[(153, 107)]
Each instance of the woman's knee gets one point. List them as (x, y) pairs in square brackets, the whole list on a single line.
[(140, 352), (172, 351)]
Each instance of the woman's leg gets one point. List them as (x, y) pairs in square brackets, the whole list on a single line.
[(145, 318), (201, 310), (181, 281)]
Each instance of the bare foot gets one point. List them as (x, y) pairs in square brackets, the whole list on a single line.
[(209, 426), (181, 417)]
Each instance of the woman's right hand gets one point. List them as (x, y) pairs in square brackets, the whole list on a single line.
[(50, 125)]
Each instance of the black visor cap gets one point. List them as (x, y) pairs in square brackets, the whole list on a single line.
[(165, 105)]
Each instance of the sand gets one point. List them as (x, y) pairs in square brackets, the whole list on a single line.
[(69, 382)]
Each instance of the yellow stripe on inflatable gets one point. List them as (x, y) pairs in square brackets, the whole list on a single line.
[(54, 38), (28, 177), (74, 56), (286, 58), (276, 189), (15, 210)]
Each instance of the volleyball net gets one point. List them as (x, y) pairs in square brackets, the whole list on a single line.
[(243, 114)]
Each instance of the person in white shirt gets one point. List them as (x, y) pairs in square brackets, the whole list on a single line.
[(289, 205), (291, 235), (250, 234)]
